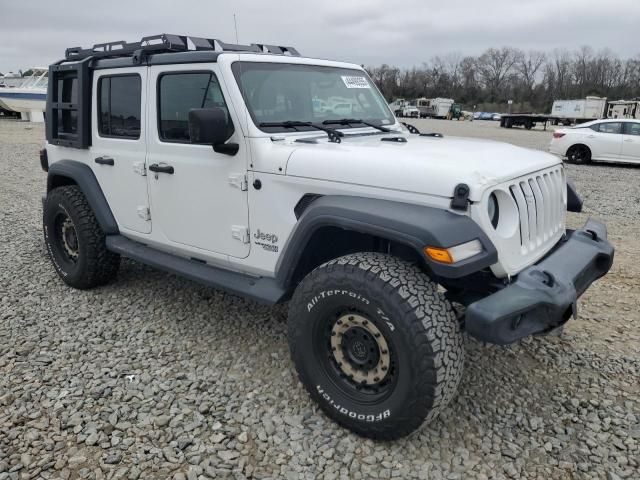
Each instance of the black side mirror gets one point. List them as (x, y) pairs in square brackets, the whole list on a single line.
[(211, 126)]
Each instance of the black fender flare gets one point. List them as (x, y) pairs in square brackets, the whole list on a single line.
[(413, 225), (83, 176)]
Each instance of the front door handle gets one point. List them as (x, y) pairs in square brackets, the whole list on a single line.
[(104, 161), (628, 139), (161, 168)]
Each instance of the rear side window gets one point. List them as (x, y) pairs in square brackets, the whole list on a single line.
[(119, 106), (180, 92), (632, 128), (610, 127)]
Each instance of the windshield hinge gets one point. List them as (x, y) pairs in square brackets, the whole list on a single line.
[(460, 198)]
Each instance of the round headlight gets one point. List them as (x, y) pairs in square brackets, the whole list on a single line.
[(493, 210)]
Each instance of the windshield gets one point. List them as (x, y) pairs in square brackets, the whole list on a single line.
[(283, 92)]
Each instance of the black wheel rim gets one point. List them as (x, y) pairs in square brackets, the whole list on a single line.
[(66, 238), (578, 155), (356, 355)]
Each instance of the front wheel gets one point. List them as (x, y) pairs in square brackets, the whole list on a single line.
[(375, 344)]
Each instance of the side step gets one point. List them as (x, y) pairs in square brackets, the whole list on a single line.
[(261, 289)]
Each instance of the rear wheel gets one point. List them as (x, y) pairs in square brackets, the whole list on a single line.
[(579, 154), (375, 344), (75, 241)]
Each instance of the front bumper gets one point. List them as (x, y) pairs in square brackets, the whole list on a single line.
[(544, 295)]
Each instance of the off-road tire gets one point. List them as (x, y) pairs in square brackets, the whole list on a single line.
[(415, 319), (579, 154), (94, 265)]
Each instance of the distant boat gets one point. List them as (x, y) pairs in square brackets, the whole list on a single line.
[(29, 98)]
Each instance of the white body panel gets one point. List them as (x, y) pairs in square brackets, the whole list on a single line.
[(606, 147), (125, 190), (194, 210), (197, 206), (630, 148)]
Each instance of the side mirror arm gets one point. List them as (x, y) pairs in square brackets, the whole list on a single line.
[(227, 148)]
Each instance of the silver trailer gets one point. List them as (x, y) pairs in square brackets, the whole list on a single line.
[(434, 107), (579, 111)]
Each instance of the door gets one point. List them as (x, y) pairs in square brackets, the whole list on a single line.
[(119, 144), (605, 141), (199, 199), (631, 142)]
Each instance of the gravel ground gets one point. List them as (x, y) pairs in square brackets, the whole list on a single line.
[(156, 377)]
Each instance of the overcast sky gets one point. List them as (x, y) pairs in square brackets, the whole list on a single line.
[(370, 32)]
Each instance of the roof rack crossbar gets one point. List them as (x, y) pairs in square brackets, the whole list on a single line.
[(166, 42)]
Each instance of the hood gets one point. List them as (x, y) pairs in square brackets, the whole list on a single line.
[(427, 165)]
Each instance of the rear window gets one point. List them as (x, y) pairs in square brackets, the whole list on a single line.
[(119, 106)]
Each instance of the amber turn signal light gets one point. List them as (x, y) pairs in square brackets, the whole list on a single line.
[(441, 255)]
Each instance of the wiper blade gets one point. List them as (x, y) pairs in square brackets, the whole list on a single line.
[(334, 135), (349, 121)]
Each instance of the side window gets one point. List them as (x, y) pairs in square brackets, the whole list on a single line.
[(180, 92), (632, 128), (119, 106), (611, 127)]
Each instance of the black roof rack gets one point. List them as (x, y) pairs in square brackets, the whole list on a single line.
[(166, 42)]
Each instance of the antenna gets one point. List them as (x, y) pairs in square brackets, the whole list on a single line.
[(235, 25)]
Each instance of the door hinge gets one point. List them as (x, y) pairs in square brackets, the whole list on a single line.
[(140, 169), (238, 180), (144, 212), (240, 232)]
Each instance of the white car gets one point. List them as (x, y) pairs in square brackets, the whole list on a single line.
[(604, 140)]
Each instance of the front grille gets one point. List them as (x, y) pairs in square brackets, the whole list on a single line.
[(541, 207)]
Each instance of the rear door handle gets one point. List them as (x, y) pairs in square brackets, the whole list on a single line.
[(104, 161), (591, 136), (161, 168), (628, 139)]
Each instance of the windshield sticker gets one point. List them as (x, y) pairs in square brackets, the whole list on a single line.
[(355, 82)]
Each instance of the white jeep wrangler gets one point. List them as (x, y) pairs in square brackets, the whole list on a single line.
[(283, 178)]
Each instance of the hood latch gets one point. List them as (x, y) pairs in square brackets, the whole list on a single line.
[(460, 198)]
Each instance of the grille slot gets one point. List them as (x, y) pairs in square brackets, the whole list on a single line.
[(540, 202)]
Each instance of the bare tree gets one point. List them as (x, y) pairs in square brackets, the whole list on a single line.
[(528, 66), (533, 79), (494, 67)]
